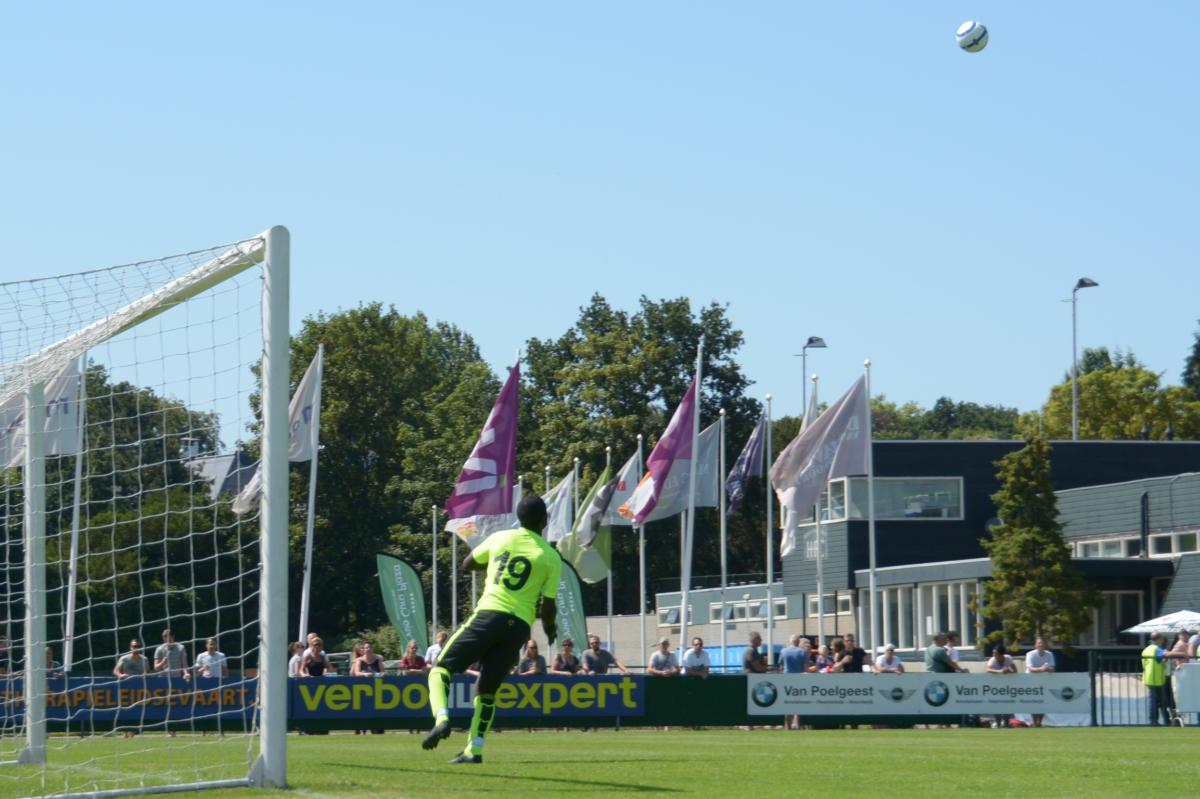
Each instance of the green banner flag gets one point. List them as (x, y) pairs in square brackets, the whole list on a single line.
[(588, 547), (404, 598), (572, 621)]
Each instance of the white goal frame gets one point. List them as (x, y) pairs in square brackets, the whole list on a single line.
[(272, 250)]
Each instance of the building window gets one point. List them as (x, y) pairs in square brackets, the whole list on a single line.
[(669, 617), (1173, 543), (832, 503), (909, 498), (1118, 611), (1109, 548), (945, 607), (839, 604)]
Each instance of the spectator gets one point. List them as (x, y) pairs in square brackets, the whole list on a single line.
[(565, 662), (367, 662), (794, 658), (937, 659), (170, 658), (695, 661), (1193, 645), (133, 663), (838, 656), (953, 641), (823, 663), (315, 662), (308, 640), (210, 662), (532, 664), (754, 661), (296, 650), (1154, 677), (413, 664), (888, 663), (435, 649), (856, 657), (1040, 660), (1000, 663), (597, 661), (53, 667), (663, 662)]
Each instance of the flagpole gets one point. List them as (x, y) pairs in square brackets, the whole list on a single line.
[(454, 581), (607, 466), (686, 567), (433, 531), (871, 517), (770, 550), (820, 551), (724, 532), (575, 490), (73, 565), (314, 434), (547, 478), (641, 562)]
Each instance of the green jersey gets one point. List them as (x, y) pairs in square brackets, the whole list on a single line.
[(521, 568)]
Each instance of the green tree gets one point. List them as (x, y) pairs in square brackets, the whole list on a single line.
[(1034, 589), (1191, 368)]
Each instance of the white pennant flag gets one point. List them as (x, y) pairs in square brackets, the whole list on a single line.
[(627, 481), (560, 509), (304, 412), (61, 430), (673, 497), (791, 518)]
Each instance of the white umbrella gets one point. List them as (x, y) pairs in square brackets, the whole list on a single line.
[(1180, 621)]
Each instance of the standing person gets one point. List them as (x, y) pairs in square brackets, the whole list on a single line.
[(1154, 677), (521, 569), (1039, 660), (367, 662), (888, 663), (532, 664), (753, 661), (170, 658), (937, 659), (133, 663), (1000, 663), (953, 641), (794, 658), (210, 662), (433, 650), (695, 661), (823, 663), (565, 663), (412, 663), (856, 657), (840, 658), (597, 661), (296, 651), (315, 662), (662, 662)]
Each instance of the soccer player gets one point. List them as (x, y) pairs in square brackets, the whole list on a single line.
[(521, 569)]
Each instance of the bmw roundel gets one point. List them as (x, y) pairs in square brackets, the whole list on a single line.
[(765, 694), (937, 693)]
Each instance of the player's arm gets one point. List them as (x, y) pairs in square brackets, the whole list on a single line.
[(550, 618), (477, 559)]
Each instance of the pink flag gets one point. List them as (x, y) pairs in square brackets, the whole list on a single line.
[(484, 486), (675, 444)]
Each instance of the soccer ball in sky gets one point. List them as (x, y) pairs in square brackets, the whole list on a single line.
[(972, 36)]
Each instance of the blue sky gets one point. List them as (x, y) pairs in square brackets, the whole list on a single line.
[(840, 171)]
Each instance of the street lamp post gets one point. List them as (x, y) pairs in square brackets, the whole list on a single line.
[(1082, 283), (816, 343)]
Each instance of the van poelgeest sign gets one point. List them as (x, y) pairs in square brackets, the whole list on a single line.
[(923, 694)]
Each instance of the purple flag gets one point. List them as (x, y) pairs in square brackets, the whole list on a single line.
[(676, 444), (484, 486), (749, 464)]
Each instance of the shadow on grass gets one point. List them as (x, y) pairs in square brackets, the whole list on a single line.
[(540, 778)]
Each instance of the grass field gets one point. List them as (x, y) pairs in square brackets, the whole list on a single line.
[(895, 763)]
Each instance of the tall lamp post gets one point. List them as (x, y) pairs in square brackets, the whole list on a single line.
[(815, 343), (1082, 283)]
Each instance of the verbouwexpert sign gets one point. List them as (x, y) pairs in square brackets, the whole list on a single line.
[(924, 694)]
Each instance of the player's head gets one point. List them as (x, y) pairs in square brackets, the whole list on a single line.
[(531, 512)]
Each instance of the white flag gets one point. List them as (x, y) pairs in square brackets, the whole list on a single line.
[(61, 430), (304, 412), (627, 481), (473, 529), (791, 518), (560, 509), (673, 498)]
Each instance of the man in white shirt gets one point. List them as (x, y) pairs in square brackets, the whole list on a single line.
[(433, 650), (1039, 660), (953, 639), (210, 662), (695, 660)]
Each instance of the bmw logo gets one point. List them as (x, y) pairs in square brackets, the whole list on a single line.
[(937, 693), (764, 694)]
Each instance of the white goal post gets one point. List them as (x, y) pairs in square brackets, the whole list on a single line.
[(121, 587)]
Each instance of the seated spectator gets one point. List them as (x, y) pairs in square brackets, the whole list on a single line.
[(210, 662), (412, 663), (662, 662), (532, 663), (794, 658), (1001, 662), (889, 663), (133, 663), (367, 663), (823, 661), (315, 662), (296, 650), (53, 667), (754, 661), (695, 660), (565, 662), (856, 658), (435, 649), (597, 661)]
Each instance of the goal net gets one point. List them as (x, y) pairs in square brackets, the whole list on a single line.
[(138, 649)]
